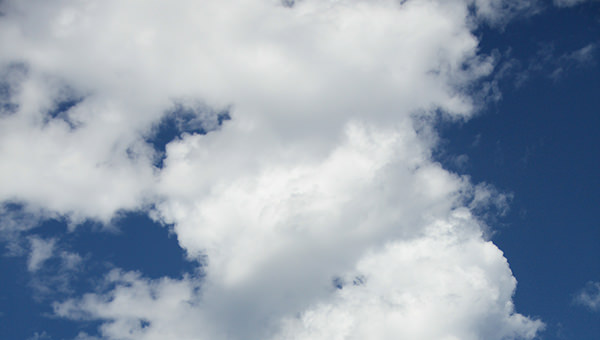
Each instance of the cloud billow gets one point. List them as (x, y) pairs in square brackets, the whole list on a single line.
[(323, 172)]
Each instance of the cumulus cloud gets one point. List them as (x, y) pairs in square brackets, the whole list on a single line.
[(411, 289), (445, 284), (316, 211), (590, 296)]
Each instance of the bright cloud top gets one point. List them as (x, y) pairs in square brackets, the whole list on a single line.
[(317, 210)]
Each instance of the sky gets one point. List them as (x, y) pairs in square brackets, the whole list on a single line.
[(332, 169)]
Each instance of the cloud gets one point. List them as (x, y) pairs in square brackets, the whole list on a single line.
[(322, 177), (583, 55), (52, 268), (589, 296), (409, 289), (41, 250), (58, 277), (567, 3), (141, 308), (448, 283), (499, 12), (70, 261), (14, 220), (40, 336), (576, 59), (548, 62)]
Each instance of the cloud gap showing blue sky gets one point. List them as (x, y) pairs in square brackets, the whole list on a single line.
[(184, 117)]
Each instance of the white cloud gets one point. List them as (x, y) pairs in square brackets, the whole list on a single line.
[(435, 287), (140, 309), (324, 171), (41, 250), (445, 284), (590, 296), (309, 64)]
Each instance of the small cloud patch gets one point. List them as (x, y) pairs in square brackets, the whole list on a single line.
[(41, 250), (590, 296)]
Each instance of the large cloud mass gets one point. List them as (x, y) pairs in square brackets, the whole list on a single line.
[(317, 211)]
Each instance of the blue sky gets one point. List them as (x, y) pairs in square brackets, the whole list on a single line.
[(317, 171), (538, 142)]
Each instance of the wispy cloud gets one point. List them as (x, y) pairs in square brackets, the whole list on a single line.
[(546, 63), (568, 3), (40, 336), (589, 296), (576, 59), (41, 250), (14, 220)]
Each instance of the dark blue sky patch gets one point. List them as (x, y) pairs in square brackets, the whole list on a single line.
[(64, 106), (61, 110), (18, 303), (144, 324), (337, 282), (184, 118), (540, 142), (538, 42), (137, 243)]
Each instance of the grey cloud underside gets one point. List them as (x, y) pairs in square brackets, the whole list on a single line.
[(302, 156)]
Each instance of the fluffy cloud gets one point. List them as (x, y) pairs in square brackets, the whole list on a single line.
[(322, 177), (137, 309), (445, 285)]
